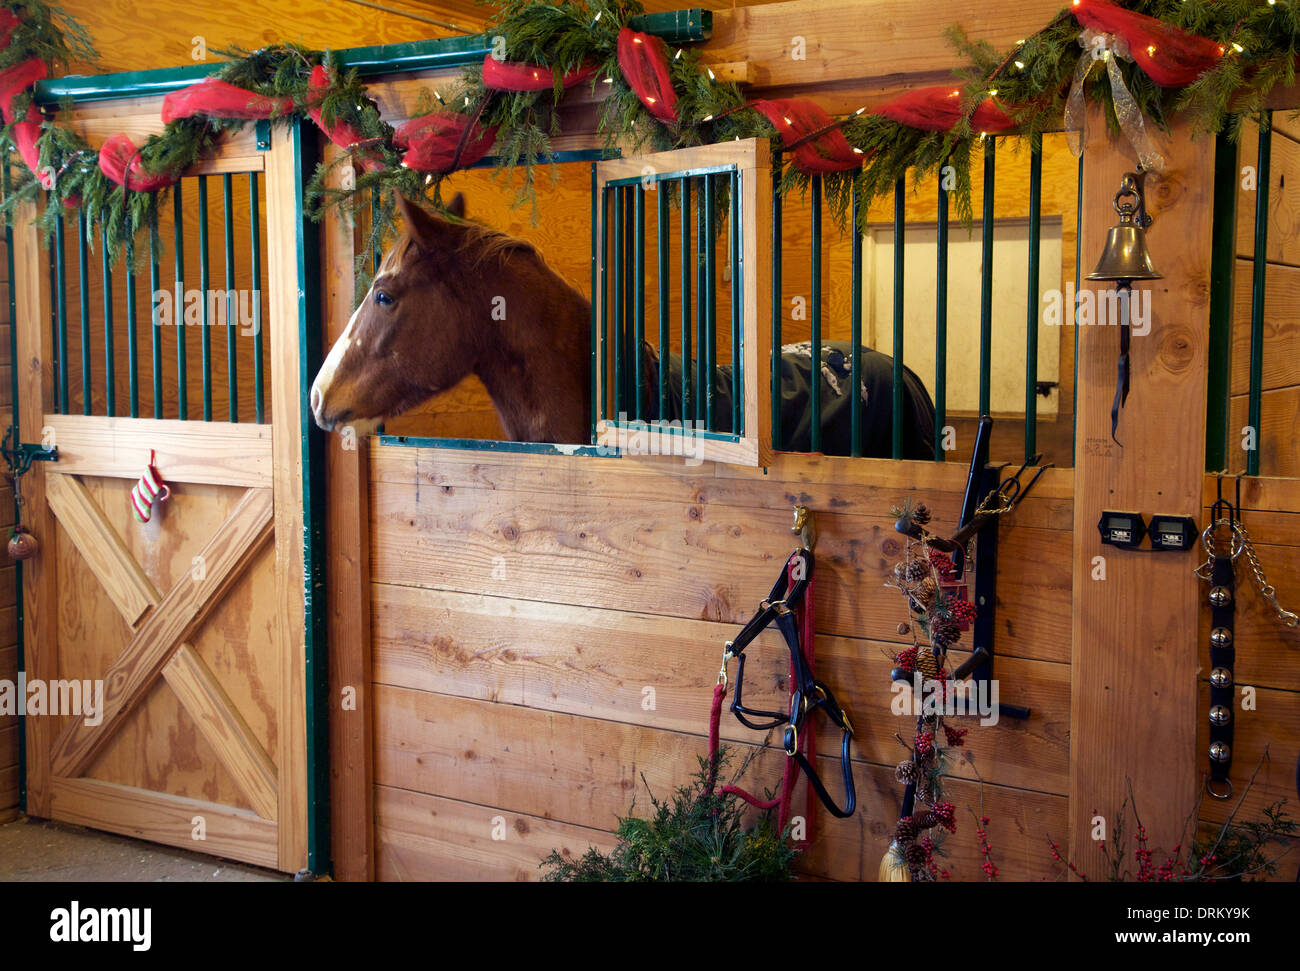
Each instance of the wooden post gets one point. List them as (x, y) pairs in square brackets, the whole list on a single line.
[(283, 239), (1134, 688), (347, 551), (40, 592)]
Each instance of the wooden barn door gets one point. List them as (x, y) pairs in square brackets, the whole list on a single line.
[(195, 621)]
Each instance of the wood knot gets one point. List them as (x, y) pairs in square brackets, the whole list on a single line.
[(890, 547), (1176, 349), (510, 532)]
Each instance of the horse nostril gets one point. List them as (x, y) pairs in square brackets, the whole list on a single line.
[(315, 401)]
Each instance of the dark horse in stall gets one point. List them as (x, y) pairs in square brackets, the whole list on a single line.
[(453, 298)]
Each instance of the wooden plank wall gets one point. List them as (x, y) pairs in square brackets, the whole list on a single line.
[(8, 586), (1280, 400), (523, 606)]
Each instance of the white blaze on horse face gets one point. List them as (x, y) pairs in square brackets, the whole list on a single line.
[(321, 386)]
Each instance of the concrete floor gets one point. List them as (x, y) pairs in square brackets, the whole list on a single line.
[(38, 850)]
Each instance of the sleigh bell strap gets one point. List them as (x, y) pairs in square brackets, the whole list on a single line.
[(1223, 596)]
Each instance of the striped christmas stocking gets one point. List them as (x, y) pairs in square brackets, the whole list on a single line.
[(147, 491)]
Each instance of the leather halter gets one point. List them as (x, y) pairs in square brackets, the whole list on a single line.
[(807, 694)]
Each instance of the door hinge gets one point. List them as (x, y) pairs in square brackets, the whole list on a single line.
[(263, 133)]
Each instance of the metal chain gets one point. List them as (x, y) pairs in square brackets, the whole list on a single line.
[(1266, 590)]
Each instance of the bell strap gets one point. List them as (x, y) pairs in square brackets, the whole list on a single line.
[(1121, 377), (1223, 597)]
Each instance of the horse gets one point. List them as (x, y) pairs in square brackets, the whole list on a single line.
[(452, 298)]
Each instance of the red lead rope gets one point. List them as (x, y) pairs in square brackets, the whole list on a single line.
[(805, 615)]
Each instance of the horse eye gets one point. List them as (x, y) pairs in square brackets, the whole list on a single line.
[(383, 299)]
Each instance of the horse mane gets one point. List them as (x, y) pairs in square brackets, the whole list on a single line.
[(477, 243)]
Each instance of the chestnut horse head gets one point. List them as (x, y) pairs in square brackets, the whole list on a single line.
[(450, 299)]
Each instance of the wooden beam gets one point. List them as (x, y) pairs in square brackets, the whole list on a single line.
[(283, 239), (97, 541), (882, 41), (1133, 707), (238, 540), (224, 728), (40, 586), (347, 550), (164, 818), (216, 453)]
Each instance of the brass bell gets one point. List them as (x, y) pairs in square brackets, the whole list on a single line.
[(1125, 257)]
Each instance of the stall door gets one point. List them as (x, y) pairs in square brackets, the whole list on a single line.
[(193, 623)]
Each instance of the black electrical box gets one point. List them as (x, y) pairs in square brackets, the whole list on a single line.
[(1123, 529), (1173, 533)]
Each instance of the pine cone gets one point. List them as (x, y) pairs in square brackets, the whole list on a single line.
[(915, 856), (906, 831), (906, 772), (916, 570), (944, 632), (925, 662), (921, 514), (925, 820)]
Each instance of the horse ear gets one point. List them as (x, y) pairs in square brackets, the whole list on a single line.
[(420, 226), (457, 206)]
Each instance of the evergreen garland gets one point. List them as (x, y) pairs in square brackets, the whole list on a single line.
[(700, 836), (1261, 42)]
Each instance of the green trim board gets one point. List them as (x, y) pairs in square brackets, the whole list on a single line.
[(308, 272)]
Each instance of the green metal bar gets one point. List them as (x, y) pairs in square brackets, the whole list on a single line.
[(54, 322), (661, 225), (205, 288), (702, 377), (255, 248), (132, 350), (178, 231), (155, 329), (986, 277), (232, 300), (597, 281), (737, 289), (110, 384), (602, 405), (1031, 311), (941, 320), (61, 314), (1258, 284), (900, 240), (620, 305), (638, 290), (778, 303), (688, 362), (815, 405), (83, 272), (710, 347), (1223, 258), (632, 291), (374, 243), (855, 328)]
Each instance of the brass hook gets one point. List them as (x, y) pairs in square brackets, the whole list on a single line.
[(806, 526)]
